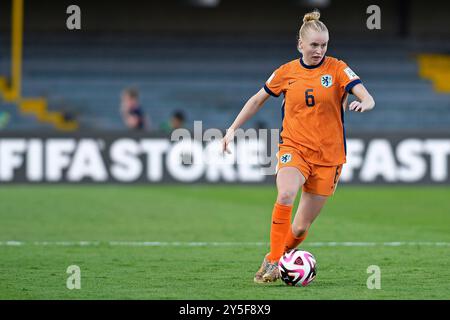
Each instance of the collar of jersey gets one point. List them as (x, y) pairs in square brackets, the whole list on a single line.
[(312, 67)]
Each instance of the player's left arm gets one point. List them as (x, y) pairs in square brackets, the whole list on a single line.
[(365, 101)]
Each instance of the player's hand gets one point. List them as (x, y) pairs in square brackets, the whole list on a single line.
[(357, 106), (227, 140)]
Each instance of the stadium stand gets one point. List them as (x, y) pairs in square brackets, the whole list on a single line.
[(211, 77)]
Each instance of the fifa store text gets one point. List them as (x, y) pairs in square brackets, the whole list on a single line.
[(117, 159)]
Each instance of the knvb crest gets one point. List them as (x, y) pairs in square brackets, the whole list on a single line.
[(285, 158), (326, 81)]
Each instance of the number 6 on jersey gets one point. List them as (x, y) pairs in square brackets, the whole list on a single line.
[(309, 98)]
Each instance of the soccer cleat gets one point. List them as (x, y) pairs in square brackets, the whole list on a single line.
[(272, 272), (262, 270)]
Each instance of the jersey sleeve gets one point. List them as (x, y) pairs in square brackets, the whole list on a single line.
[(275, 85), (346, 77)]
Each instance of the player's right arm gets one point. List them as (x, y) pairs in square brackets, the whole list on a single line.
[(274, 86), (250, 108)]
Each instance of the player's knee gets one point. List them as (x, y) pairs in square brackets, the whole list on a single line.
[(286, 197), (299, 231)]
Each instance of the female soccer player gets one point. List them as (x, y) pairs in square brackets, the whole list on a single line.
[(312, 144)]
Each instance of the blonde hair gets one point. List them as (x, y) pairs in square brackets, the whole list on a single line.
[(311, 22)]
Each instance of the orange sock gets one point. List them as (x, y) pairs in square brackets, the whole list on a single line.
[(291, 241), (281, 224)]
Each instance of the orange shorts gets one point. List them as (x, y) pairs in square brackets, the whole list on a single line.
[(321, 180)]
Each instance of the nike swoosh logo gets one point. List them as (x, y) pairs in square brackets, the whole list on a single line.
[(291, 82), (277, 222)]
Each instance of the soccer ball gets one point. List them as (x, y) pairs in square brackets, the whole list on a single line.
[(297, 268)]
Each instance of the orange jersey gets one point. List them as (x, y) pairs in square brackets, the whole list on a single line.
[(313, 107)]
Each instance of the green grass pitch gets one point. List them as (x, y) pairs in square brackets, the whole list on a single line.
[(237, 215)]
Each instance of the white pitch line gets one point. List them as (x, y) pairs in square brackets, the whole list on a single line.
[(14, 243)]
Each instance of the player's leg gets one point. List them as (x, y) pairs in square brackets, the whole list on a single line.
[(321, 184), (308, 210), (289, 181)]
